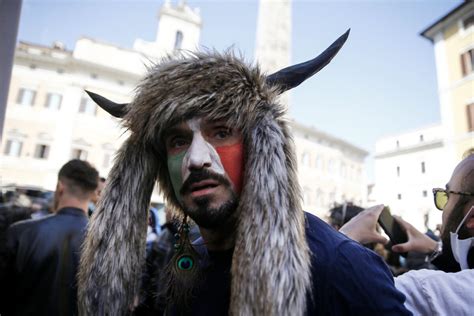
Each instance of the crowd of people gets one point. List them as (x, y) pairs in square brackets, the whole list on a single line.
[(209, 129)]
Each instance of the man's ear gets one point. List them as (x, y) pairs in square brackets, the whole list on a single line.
[(59, 187)]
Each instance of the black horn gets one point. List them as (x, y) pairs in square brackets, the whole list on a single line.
[(290, 77), (115, 109)]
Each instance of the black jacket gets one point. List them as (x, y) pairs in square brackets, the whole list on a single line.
[(43, 256)]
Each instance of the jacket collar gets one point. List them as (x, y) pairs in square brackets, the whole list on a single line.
[(72, 211)]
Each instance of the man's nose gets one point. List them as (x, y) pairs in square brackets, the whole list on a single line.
[(199, 154)]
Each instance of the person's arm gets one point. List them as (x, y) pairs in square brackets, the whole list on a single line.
[(362, 228), (364, 281)]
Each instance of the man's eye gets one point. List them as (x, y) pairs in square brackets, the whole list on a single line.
[(222, 134), (178, 143)]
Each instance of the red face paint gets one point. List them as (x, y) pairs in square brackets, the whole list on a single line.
[(232, 159)]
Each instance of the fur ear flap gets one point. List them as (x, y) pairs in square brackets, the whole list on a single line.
[(114, 249), (271, 261)]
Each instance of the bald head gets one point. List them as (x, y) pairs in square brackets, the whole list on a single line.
[(465, 169), (458, 205)]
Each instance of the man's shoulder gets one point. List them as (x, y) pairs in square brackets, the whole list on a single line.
[(337, 249), (323, 238), (29, 223)]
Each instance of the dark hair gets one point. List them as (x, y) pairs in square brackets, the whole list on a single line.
[(336, 216), (79, 176)]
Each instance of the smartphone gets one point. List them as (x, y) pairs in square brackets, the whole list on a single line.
[(391, 227)]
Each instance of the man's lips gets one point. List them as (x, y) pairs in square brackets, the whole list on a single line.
[(204, 187)]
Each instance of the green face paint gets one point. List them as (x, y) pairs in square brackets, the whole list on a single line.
[(175, 163)]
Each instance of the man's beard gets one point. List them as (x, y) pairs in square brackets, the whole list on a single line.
[(452, 223), (204, 215)]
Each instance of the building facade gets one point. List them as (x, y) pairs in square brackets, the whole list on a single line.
[(50, 119), (453, 40), (410, 164), (407, 167), (330, 170)]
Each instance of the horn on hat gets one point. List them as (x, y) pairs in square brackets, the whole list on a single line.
[(290, 77), (115, 109)]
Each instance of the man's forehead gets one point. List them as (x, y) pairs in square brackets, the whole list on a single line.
[(462, 170)]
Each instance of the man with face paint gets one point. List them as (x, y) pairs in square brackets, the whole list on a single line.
[(205, 163), (431, 292), (210, 129)]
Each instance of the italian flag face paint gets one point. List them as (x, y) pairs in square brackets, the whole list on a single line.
[(175, 163), (232, 159)]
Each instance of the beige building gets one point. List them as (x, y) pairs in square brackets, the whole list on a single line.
[(408, 165), (330, 170), (453, 39), (50, 119)]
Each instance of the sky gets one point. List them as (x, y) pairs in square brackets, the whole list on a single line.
[(382, 82)]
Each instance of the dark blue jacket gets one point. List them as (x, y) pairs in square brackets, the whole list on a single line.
[(42, 264), (348, 279)]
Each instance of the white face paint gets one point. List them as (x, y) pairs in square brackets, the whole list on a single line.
[(200, 153)]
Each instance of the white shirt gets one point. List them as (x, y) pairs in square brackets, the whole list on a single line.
[(433, 292)]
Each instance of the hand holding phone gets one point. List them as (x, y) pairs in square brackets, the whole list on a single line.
[(392, 228)]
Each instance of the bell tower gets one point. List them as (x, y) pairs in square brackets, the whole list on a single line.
[(273, 43), (179, 27)]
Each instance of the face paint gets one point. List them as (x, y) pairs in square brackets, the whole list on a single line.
[(175, 163), (233, 162), (200, 153)]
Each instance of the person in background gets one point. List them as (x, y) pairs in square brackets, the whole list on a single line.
[(430, 292), (42, 255), (95, 198)]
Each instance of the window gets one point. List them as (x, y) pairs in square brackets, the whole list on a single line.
[(306, 196), (467, 62), (468, 22), (398, 144), (13, 148), (26, 97), (42, 151), (423, 168), (422, 138), (399, 196), (425, 193), (87, 106), (305, 159), (178, 42), (79, 154), (53, 101), (470, 117), (398, 171), (106, 161)]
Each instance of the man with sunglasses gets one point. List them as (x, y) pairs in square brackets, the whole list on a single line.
[(431, 292)]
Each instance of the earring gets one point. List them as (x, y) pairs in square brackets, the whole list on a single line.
[(183, 271), (185, 257)]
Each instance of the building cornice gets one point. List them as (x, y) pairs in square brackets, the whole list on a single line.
[(410, 149), (332, 139), (46, 57), (430, 32)]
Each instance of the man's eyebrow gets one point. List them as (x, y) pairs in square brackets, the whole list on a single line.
[(174, 131)]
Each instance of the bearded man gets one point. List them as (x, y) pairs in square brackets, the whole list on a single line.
[(210, 129)]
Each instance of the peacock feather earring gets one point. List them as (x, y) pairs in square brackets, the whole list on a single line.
[(183, 270), (185, 255)]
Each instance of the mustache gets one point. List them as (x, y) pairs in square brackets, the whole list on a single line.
[(201, 175)]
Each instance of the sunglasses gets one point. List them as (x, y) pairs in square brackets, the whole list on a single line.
[(441, 197)]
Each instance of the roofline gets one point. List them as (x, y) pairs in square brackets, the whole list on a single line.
[(442, 19), (327, 136)]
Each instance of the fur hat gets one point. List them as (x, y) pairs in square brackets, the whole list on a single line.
[(271, 262)]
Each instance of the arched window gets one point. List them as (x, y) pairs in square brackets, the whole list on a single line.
[(178, 40)]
